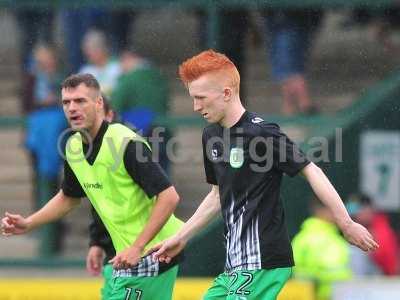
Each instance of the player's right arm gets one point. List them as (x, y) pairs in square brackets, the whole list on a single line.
[(207, 211), (57, 207)]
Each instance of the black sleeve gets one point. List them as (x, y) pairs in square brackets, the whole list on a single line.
[(70, 185), (208, 167), (98, 234), (287, 157), (144, 169)]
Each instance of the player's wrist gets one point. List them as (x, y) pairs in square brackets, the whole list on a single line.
[(182, 237), (344, 225), (138, 246), (29, 224)]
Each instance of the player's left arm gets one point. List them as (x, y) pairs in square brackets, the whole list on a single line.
[(355, 233), (165, 205), (148, 174)]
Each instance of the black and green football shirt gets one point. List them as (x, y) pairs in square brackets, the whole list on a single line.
[(247, 162)]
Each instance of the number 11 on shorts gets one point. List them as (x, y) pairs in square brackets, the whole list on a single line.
[(129, 292)]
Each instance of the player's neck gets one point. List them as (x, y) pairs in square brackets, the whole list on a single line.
[(95, 129), (233, 114)]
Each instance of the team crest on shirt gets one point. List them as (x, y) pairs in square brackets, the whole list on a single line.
[(236, 158)]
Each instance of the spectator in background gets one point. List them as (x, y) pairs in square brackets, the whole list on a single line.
[(41, 139), (386, 257), (48, 76), (291, 34), (100, 63), (78, 21), (44, 125), (140, 97), (35, 26), (321, 254)]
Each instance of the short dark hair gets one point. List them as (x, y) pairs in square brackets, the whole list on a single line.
[(87, 79), (106, 103)]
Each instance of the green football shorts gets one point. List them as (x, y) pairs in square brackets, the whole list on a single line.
[(107, 286), (144, 288), (249, 285)]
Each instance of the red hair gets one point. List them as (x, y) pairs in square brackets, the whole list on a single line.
[(209, 61)]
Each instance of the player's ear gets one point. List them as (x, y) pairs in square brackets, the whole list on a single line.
[(100, 102), (227, 93)]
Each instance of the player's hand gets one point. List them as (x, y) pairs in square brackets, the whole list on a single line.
[(359, 236), (94, 260), (127, 258), (168, 249), (14, 224)]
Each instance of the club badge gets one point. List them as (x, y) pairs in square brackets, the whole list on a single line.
[(236, 158)]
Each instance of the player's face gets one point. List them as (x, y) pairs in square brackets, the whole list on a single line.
[(208, 98), (82, 107)]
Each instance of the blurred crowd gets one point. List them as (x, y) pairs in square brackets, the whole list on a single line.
[(95, 38)]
